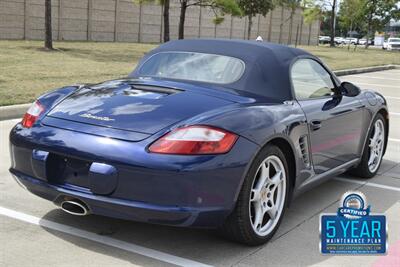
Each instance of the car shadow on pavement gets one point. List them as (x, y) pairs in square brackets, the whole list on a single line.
[(195, 244), (300, 224)]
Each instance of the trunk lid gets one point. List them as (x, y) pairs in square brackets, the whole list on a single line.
[(137, 106)]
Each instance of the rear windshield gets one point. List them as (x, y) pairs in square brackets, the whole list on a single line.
[(194, 67)]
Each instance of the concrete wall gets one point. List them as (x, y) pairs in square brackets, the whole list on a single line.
[(124, 21)]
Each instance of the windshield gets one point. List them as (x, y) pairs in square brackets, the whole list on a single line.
[(394, 40), (193, 66)]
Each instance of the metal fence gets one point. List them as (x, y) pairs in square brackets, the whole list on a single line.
[(124, 21)]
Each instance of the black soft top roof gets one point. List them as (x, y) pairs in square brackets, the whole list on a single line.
[(267, 64)]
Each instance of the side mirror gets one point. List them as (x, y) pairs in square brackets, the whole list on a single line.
[(350, 89)]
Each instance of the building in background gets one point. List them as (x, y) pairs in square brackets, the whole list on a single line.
[(392, 29)]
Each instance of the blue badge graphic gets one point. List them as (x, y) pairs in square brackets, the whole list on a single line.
[(353, 206), (353, 230)]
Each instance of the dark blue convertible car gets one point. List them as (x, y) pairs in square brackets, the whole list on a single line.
[(203, 133)]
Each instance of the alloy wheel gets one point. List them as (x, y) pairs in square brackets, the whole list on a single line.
[(376, 145), (267, 196)]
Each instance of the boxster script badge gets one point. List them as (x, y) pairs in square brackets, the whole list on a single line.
[(90, 116)]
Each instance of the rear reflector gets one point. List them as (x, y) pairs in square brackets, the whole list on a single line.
[(33, 113), (195, 140)]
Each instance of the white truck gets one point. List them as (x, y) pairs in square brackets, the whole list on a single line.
[(392, 44)]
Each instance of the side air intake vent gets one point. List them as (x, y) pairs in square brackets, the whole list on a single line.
[(304, 150)]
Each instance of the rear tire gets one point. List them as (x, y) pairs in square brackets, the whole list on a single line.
[(373, 150), (262, 200)]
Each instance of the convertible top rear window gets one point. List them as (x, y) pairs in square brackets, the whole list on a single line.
[(192, 66)]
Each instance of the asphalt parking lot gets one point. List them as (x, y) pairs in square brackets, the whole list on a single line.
[(35, 233)]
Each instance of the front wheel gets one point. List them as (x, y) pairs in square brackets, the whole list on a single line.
[(373, 150), (262, 200)]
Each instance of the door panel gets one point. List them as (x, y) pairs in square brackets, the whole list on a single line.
[(335, 121), (335, 126)]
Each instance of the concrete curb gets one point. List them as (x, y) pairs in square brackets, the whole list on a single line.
[(365, 70), (13, 112), (17, 111)]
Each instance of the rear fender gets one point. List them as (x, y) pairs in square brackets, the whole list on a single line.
[(261, 124)]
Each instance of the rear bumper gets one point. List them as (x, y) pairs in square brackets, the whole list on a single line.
[(197, 191), (126, 209)]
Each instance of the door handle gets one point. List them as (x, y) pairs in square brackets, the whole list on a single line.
[(315, 125)]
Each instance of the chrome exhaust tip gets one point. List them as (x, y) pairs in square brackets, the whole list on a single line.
[(75, 207)]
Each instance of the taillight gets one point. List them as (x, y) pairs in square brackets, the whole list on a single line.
[(33, 113), (195, 140)]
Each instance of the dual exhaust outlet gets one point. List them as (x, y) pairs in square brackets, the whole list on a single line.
[(75, 207)]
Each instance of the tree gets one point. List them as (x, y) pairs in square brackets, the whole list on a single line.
[(378, 13), (333, 23), (48, 42), (251, 8), (166, 20), (219, 7), (165, 5), (350, 15), (292, 5), (327, 5), (313, 13)]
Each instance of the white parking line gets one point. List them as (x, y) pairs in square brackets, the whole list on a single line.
[(394, 139), (378, 85), (392, 97), (394, 113), (368, 184), (10, 121), (151, 253), (375, 77)]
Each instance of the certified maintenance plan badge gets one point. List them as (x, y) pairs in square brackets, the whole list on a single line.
[(353, 230)]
